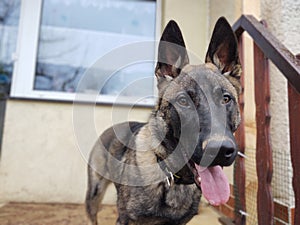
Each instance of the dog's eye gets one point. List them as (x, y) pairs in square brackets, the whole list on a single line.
[(226, 99), (183, 101)]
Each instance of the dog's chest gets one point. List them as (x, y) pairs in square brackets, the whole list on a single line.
[(156, 204), (180, 196)]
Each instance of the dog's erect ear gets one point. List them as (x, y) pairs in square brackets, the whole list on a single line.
[(223, 52), (172, 54)]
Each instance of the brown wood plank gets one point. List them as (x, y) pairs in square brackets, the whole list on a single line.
[(294, 115), (239, 166), (293, 216), (284, 60), (264, 167), (281, 212), (227, 211)]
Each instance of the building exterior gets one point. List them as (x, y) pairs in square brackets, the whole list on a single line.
[(41, 159)]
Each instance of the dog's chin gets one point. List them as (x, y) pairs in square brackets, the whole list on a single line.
[(213, 183)]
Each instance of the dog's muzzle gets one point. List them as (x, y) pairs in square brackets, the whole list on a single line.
[(209, 175)]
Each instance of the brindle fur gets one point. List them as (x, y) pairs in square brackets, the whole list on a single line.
[(159, 203)]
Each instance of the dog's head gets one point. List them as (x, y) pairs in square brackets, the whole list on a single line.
[(198, 105)]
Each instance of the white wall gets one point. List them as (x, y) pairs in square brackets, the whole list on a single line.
[(193, 19), (231, 10), (40, 159)]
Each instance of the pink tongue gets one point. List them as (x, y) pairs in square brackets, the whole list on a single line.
[(214, 184)]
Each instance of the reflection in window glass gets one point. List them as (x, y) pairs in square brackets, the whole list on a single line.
[(76, 33), (9, 19)]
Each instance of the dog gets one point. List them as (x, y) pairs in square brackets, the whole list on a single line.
[(162, 168)]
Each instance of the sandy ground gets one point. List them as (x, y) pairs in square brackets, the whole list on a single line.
[(73, 214)]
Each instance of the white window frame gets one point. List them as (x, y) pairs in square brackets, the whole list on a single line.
[(25, 60)]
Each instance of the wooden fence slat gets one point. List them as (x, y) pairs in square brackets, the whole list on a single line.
[(264, 166), (294, 115), (239, 174)]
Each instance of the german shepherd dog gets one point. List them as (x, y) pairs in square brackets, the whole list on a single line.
[(161, 168)]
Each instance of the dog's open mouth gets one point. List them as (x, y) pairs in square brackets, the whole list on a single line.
[(213, 183)]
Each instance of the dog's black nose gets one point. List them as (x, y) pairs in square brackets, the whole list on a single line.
[(220, 153), (227, 149)]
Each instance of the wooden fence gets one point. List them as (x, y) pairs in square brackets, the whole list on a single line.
[(267, 47)]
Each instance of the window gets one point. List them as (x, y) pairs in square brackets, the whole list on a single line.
[(9, 18), (63, 42)]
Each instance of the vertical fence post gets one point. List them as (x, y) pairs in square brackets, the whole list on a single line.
[(264, 161), (239, 166), (294, 115)]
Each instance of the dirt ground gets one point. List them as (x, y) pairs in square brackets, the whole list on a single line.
[(73, 214), (46, 214)]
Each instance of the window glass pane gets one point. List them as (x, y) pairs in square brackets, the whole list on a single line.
[(76, 33), (9, 20)]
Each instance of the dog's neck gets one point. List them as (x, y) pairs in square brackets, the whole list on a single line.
[(153, 153)]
